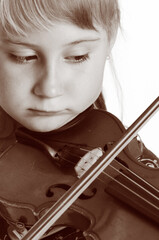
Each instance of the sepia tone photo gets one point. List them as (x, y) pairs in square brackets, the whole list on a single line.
[(79, 156)]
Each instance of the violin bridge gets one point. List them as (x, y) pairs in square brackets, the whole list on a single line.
[(87, 161), (17, 234)]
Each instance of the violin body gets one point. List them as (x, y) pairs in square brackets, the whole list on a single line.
[(32, 181)]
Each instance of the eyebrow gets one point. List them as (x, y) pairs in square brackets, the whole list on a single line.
[(82, 40), (9, 41)]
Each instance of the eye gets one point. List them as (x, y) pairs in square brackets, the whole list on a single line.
[(23, 59), (77, 59)]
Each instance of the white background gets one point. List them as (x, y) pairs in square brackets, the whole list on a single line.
[(136, 60)]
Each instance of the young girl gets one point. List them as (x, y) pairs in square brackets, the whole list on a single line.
[(52, 58)]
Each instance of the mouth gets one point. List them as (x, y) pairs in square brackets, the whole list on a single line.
[(38, 112)]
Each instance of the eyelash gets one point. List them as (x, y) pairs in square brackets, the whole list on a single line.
[(26, 59), (77, 59), (23, 59)]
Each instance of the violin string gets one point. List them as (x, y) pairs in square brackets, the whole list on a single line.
[(130, 180), (130, 171), (135, 193), (137, 176), (127, 169), (137, 184)]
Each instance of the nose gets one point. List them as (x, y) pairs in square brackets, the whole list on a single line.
[(49, 83)]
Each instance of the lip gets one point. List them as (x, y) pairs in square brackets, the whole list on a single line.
[(44, 113)]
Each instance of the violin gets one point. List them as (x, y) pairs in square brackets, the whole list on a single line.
[(38, 168)]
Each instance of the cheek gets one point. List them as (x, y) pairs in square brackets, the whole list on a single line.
[(86, 87), (7, 96), (7, 75), (14, 80), (96, 67), (93, 81), (94, 75), (4, 87), (87, 79), (11, 94)]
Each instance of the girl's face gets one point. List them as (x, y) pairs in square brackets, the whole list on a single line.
[(49, 77)]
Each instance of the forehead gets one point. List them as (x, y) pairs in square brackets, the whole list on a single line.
[(63, 33)]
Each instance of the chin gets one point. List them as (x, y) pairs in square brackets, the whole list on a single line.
[(41, 129), (37, 128), (45, 125)]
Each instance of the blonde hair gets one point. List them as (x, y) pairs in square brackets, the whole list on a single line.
[(20, 16)]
